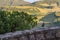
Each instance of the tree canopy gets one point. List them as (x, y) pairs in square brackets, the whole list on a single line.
[(13, 21)]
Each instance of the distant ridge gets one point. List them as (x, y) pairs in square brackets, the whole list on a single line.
[(13, 2), (22, 2)]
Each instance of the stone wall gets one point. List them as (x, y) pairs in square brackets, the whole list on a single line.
[(52, 33)]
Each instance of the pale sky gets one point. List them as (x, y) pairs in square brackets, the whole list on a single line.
[(31, 0)]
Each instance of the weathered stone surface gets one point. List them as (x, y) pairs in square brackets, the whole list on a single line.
[(40, 37), (23, 38), (9, 39), (52, 33), (31, 37), (58, 33)]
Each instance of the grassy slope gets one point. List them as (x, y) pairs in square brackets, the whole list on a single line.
[(39, 12)]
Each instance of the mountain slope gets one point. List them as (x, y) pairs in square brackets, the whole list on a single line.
[(45, 2), (39, 8), (32, 10), (12, 2)]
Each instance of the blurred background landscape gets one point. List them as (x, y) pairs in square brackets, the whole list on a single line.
[(46, 11)]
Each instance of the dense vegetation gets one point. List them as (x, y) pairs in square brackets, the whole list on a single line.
[(13, 21)]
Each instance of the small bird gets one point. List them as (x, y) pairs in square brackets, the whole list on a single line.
[(43, 24)]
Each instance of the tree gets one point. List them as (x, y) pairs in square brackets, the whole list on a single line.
[(14, 21)]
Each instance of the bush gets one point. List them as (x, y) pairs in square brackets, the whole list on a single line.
[(14, 21)]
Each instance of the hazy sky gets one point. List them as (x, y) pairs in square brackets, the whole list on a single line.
[(31, 0)]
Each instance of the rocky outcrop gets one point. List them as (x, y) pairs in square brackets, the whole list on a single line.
[(52, 33)]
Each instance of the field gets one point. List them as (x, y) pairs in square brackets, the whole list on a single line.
[(33, 10), (47, 14)]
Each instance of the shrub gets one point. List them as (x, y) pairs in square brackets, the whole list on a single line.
[(14, 21)]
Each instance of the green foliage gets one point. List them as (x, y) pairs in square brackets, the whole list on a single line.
[(13, 21)]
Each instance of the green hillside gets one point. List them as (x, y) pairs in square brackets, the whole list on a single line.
[(38, 8)]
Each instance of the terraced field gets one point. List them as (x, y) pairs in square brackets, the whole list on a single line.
[(32, 10)]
